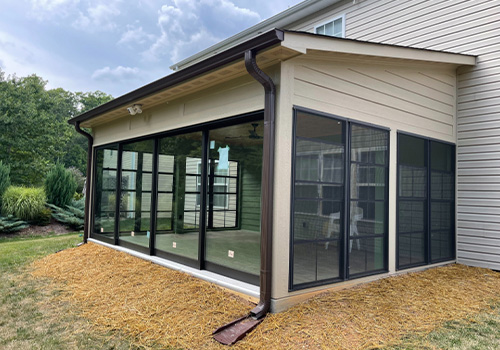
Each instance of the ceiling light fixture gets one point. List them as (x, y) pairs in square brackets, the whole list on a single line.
[(135, 109)]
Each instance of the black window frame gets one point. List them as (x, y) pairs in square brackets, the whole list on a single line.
[(344, 274), (427, 210)]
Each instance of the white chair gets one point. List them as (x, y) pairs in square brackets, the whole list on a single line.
[(356, 215)]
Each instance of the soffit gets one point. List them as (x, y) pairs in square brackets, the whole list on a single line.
[(265, 58)]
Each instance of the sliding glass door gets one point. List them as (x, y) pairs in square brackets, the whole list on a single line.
[(233, 199), (178, 195)]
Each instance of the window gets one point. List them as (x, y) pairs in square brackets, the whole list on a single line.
[(334, 27), (426, 201), (105, 191), (339, 205)]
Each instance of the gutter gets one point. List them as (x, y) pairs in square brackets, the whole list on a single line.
[(90, 142), (237, 329), (266, 240)]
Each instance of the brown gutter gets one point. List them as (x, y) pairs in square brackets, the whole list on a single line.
[(266, 240), (90, 142)]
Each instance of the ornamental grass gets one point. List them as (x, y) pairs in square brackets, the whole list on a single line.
[(157, 306)]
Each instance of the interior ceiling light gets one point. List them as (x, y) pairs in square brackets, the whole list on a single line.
[(135, 109)]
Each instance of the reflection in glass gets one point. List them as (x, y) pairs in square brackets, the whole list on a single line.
[(105, 191), (135, 195), (368, 202), (318, 213), (178, 200), (233, 197)]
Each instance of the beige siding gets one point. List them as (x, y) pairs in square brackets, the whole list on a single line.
[(462, 26), (419, 100), (236, 97)]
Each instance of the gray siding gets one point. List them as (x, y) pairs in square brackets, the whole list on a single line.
[(469, 27)]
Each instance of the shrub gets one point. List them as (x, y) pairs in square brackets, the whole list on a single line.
[(79, 178), (43, 219), (73, 215), (60, 186), (4, 179), (11, 224), (25, 203)]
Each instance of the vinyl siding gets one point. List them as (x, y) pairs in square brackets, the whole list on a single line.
[(469, 27)]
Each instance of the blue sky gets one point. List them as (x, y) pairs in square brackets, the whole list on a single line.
[(116, 45)]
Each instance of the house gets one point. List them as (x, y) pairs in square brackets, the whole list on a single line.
[(356, 142)]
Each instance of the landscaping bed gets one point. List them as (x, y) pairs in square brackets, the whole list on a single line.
[(157, 306)]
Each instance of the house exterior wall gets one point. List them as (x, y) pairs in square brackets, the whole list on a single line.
[(238, 96), (417, 100), (468, 27)]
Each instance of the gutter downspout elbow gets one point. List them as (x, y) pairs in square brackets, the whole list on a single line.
[(90, 141), (267, 185)]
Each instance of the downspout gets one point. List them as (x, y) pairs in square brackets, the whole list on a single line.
[(90, 142), (267, 185)]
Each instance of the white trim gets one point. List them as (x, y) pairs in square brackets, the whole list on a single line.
[(223, 281), (333, 20)]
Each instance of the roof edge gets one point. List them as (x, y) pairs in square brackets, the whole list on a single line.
[(258, 43)]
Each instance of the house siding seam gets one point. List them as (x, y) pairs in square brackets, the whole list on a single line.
[(467, 27)]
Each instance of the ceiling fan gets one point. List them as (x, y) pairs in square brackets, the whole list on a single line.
[(252, 134)]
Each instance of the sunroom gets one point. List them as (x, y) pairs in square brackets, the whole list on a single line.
[(282, 166)]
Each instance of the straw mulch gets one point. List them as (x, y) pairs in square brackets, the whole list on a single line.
[(153, 304)]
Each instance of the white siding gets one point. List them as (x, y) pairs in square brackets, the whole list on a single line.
[(462, 26)]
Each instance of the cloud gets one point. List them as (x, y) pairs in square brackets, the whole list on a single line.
[(88, 15), (116, 74), (188, 26), (98, 17), (134, 36)]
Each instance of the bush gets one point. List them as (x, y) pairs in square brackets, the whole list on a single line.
[(4, 179), (43, 219), (60, 186), (79, 178), (11, 224), (73, 215), (26, 203)]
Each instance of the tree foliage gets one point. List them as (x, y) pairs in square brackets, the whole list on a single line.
[(60, 186), (34, 133), (4, 179)]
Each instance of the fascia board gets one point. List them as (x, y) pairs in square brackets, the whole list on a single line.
[(302, 42)]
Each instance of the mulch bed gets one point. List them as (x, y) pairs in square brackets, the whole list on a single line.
[(155, 305), (54, 228)]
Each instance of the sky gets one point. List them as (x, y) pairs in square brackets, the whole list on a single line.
[(116, 46)]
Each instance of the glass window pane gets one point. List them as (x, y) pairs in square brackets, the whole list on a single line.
[(337, 27), (368, 182), (442, 156), (320, 30), (105, 191), (319, 128), (178, 199), (329, 28), (368, 145), (411, 151), (366, 255), (304, 263)]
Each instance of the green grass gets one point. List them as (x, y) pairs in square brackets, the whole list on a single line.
[(31, 317), (479, 332)]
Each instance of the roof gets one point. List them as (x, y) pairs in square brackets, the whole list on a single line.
[(277, 45)]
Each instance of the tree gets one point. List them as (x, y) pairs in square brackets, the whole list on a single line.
[(34, 133), (76, 148)]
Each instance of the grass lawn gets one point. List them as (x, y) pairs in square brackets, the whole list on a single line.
[(30, 316)]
